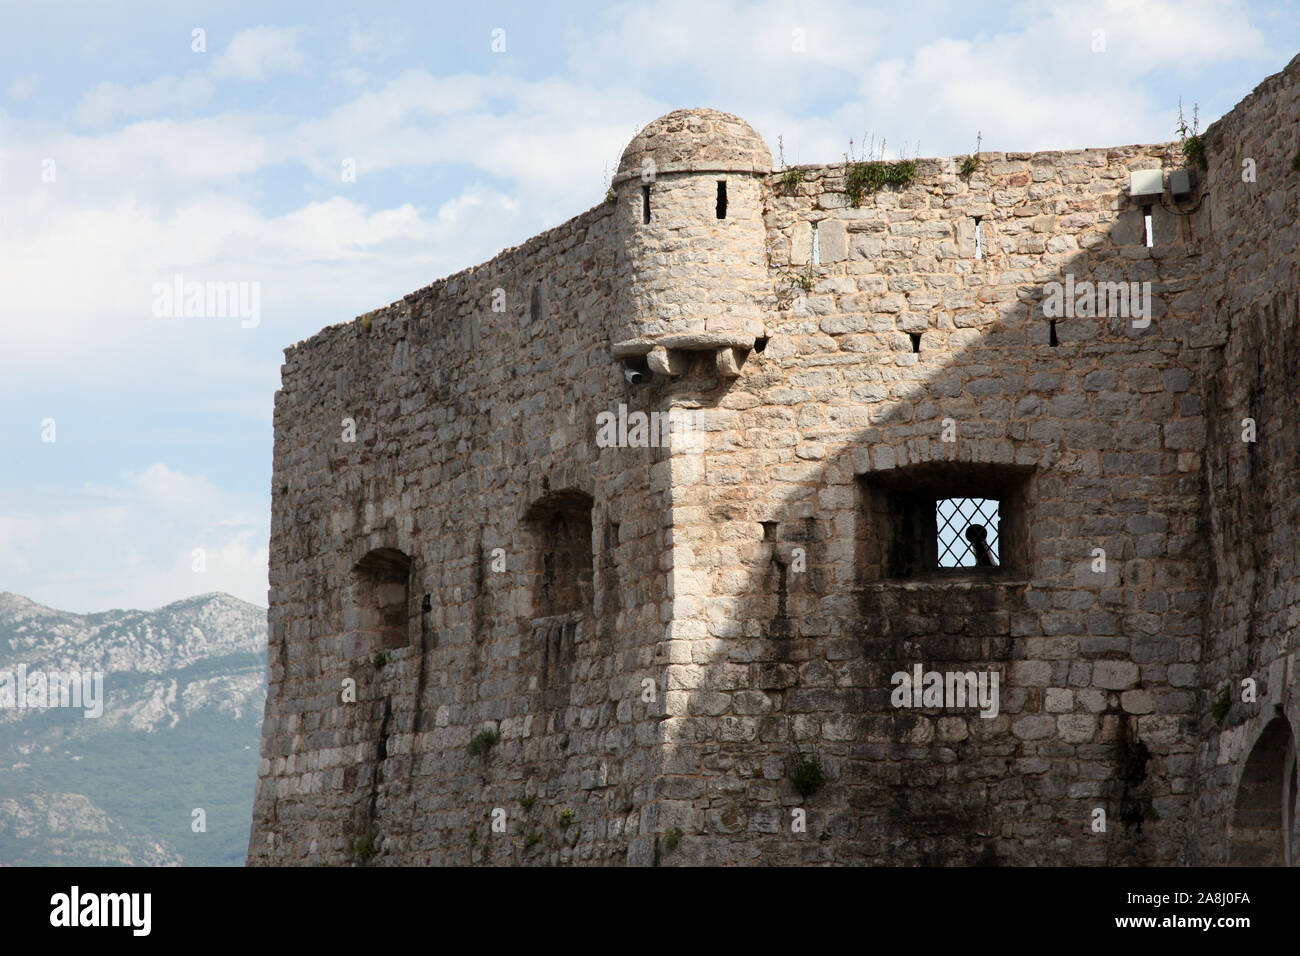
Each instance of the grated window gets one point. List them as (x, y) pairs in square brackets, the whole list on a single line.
[(967, 532)]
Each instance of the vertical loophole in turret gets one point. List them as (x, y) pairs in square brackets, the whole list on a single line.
[(645, 203), (916, 341), (816, 247), (722, 199), (1051, 333)]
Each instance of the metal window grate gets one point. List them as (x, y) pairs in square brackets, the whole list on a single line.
[(953, 516)]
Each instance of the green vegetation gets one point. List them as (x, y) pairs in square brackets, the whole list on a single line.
[(483, 741), (1190, 136), (672, 838), (566, 817), (971, 163), (872, 172), (147, 782), (806, 775), (801, 280), (379, 660), (863, 178), (791, 180), (527, 803), (1222, 703), (610, 196), (363, 847), (532, 839)]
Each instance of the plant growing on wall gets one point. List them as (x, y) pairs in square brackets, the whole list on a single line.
[(483, 741), (800, 280), (363, 847), (1190, 136), (1222, 703), (806, 776), (791, 179), (672, 838), (973, 162), (863, 178), (873, 173), (610, 197)]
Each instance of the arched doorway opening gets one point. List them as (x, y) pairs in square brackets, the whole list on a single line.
[(1262, 830)]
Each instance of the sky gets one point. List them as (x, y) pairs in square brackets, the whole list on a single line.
[(332, 158)]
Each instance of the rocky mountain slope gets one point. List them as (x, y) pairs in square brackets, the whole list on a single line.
[(183, 692)]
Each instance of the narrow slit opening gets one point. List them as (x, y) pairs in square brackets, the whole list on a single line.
[(979, 238), (816, 247), (645, 203), (760, 344), (722, 199), (1051, 333), (916, 341), (1147, 219)]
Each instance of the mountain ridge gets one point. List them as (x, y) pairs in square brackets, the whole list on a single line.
[(184, 689)]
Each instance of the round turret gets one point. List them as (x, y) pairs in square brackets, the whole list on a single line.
[(692, 253), (698, 141)]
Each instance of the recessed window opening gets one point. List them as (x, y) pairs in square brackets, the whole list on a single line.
[(645, 203), (979, 239), (535, 304), (941, 521), (816, 247), (760, 344), (377, 612), (1051, 333), (967, 530), (916, 341), (562, 553), (1147, 219), (722, 199)]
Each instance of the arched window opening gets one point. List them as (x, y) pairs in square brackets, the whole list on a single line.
[(377, 610)]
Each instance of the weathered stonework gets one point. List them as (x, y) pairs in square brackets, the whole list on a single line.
[(651, 634)]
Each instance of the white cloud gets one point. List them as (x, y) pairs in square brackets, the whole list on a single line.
[(261, 52), (380, 40), (133, 544), (321, 263), (23, 87), (109, 102)]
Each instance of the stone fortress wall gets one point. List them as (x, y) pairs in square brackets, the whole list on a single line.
[(499, 637)]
